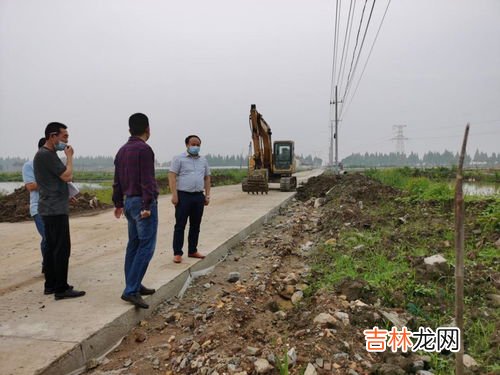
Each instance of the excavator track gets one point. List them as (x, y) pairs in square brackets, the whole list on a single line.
[(288, 183)]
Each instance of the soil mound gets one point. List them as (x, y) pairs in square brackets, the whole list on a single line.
[(15, 207), (346, 188)]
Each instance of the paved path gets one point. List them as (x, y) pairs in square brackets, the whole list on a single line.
[(41, 335)]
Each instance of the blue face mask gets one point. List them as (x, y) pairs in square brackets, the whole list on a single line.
[(194, 150), (60, 146)]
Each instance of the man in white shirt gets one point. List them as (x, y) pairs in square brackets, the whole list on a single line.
[(188, 176)]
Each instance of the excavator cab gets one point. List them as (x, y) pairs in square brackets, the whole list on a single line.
[(283, 156)]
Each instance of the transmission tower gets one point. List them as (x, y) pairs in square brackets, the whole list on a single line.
[(399, 138)]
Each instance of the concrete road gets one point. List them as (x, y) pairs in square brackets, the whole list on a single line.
[(41, 335)]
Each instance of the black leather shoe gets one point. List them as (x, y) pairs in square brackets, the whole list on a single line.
[(146, 291), (48, 291), (136, 299), (69, 293)]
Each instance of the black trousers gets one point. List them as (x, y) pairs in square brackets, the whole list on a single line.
[(190, 206), (56, 259)]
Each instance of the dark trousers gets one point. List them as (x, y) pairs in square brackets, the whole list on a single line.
[(57, 254), (190, 206)]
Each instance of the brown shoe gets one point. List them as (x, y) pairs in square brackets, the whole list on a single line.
[(196, 255), (177, 258)]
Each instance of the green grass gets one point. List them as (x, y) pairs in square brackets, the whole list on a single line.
[(282, 364), (420, 188), (219, 177), (479, 334), (103, 195), (389, 248), (228, 176), (89, 176), (11, 176), (450, 173), (489, 218)]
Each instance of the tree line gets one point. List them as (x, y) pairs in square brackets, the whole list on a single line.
[(429, 159), (106, 163)]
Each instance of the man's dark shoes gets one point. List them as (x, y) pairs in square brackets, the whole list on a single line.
[(135, 299), (69, 293), (146, 291), (48, 291)]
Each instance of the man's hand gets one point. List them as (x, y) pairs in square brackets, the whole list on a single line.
[(207, 200), (73, 200), (69, 151), (145, 214), (118, 212), (31, 186), (175, 199)]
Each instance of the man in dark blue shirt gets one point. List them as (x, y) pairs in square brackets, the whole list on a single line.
[(135, 180)]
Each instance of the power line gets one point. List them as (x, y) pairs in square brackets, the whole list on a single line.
[(356, 45), (346, 41), (342, 111), (473, 124), (339, 10), (348, 86), (334, 46), (457, 135)]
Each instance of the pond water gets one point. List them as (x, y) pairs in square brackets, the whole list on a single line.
[(478, 188)]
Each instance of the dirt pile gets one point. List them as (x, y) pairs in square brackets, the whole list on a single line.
[(348, 188), (15, 207)]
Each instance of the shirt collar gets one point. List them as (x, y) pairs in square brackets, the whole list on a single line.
[(135, 138)]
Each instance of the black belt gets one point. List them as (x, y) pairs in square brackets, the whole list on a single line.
[(190, 192)]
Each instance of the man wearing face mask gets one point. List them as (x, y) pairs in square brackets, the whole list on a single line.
[(135, 179), (52, 177), (188, 176)]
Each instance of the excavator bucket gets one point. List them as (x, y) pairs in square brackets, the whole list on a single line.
[(257, 182)]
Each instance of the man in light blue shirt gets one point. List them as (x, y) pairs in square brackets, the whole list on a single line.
[(188, 177), (32, 187)]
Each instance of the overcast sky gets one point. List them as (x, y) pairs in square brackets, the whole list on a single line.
[(196, 66)]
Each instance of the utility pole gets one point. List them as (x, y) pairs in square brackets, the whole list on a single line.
[(335, 135), (330, 150)]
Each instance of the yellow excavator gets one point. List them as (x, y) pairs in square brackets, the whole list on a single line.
[(269, 162)]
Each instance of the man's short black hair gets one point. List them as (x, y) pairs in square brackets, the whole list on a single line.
[(41, 142), (54, 128), (138, 123), (191, 136)]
